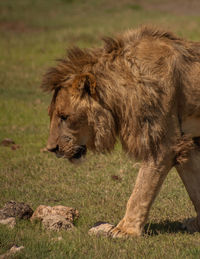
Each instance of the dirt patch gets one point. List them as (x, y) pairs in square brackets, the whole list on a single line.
[(9, 143)]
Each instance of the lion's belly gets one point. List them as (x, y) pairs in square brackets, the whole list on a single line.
[(191, 126)]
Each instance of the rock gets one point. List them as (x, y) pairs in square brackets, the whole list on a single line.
[(13, 210), (10, 222), (16, 209), (56, 218), (56, 223), (100, 229), (67, 213), (12, 251), (7, 142)]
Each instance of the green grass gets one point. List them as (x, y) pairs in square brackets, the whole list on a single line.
[(32, 35)]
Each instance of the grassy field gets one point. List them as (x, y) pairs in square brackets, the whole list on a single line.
[(32, 35)]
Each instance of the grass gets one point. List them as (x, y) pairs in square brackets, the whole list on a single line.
[(33, 34)]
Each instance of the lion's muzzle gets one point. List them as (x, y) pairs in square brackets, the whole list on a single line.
[(81, 151), (53, 149)]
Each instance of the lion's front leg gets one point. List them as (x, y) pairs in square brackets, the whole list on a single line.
[(149, 180), (147, 186), (190, 175)]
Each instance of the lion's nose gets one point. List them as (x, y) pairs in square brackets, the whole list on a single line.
[(53, 149)]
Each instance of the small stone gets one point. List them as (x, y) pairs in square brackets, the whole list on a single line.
[(15, 249), (57, 239), (7, 142), (100, 229), (56, 223), (10, 222), (12, 251), (16, 209)]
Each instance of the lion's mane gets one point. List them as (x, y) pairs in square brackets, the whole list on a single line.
[(138, 76)]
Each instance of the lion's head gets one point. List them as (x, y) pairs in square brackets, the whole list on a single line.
[(77, 120)]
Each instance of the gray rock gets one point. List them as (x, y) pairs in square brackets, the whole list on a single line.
[(16, 209)]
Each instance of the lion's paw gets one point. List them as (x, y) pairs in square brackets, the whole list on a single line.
[(191, 225), (109, 230), (118, 233)]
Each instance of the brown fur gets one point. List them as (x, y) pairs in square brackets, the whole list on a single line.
[(182, 149), (143, 69), (142, 86)]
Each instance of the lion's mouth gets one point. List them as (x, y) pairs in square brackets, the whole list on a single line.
[(80, 152)]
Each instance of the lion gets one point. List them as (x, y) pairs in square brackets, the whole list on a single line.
[(143, 88)]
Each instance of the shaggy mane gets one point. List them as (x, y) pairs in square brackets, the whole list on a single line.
[(130, 77), (78, 60), (75, 62), (115, 44)]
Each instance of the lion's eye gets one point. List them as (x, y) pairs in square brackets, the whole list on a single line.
[(64, 117)]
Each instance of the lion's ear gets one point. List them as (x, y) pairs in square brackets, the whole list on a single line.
[(85, 84)]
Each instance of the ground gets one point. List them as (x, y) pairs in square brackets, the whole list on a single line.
[(32, 35)]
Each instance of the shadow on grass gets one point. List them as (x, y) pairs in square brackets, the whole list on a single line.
[(164, 227), (154, 229)]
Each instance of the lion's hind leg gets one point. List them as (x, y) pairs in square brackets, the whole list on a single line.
[(190, 175)]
